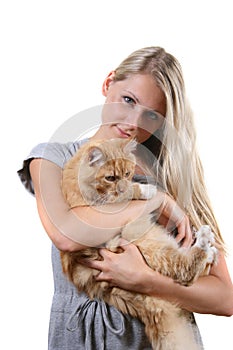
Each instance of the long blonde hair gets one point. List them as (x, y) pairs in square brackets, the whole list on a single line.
[(181, 172)]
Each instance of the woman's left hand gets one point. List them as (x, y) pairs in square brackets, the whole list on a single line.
[(173, 216), (126, 270)]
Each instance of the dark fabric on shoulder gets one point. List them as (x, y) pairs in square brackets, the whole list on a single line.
[(25, 177)]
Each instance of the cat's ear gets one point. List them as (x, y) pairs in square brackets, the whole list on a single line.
[(96, 157), (130, 146)]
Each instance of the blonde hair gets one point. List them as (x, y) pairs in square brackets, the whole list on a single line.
[(181, 173)]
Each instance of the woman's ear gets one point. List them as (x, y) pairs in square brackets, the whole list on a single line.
[(107, 82)]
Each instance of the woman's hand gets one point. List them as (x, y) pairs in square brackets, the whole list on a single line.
[(171, 217), (126, 270)]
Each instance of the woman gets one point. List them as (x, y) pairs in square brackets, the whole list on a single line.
[(145, 99)]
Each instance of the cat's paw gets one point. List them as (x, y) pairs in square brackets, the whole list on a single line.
[(205, 241), (205, 237), (147, 191), (212, 255)]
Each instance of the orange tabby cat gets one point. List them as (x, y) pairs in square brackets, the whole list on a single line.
[(100, 173)]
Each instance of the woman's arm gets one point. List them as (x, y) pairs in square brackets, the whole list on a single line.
[(209, 294), (212, 294), (75, 229)]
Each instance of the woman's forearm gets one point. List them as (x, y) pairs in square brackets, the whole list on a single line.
[(93, 226), (82, 226), (212, 294), (207, 295)]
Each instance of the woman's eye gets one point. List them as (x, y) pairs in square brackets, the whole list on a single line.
[(110, 178), (151, 115), (128, 99)]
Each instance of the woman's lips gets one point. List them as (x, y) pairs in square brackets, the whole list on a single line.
[(122, 132)]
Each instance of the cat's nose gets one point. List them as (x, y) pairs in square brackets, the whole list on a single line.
[(121, 186)]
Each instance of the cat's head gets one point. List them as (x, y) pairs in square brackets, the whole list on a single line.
[(112, 149), (110, 166)]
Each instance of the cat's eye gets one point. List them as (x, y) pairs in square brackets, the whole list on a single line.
[(110, 178), (127, 174)]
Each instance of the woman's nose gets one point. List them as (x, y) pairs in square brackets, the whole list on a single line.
[(132, 118)]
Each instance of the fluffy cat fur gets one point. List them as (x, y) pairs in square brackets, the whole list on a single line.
[(100, 173)]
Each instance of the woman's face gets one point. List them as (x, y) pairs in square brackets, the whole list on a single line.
[(134, 107)]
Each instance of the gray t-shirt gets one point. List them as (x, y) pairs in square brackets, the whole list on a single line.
[(76, 322)]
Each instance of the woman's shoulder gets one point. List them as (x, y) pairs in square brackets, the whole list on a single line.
[(58, 153)]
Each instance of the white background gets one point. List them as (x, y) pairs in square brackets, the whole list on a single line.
[(54, 57)]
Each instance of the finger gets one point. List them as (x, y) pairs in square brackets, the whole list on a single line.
[(184, 231), (106, 254), (99, 277), (123, 243), (181, 233), (127, 246), (93, 264), (103, 252), (188, 238)]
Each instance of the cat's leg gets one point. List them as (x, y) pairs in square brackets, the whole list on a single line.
[(198, 259), (181, 264)]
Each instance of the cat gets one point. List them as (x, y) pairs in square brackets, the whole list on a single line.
[(99, 173)]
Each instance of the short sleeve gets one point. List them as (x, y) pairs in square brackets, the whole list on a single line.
[(57, 153)]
